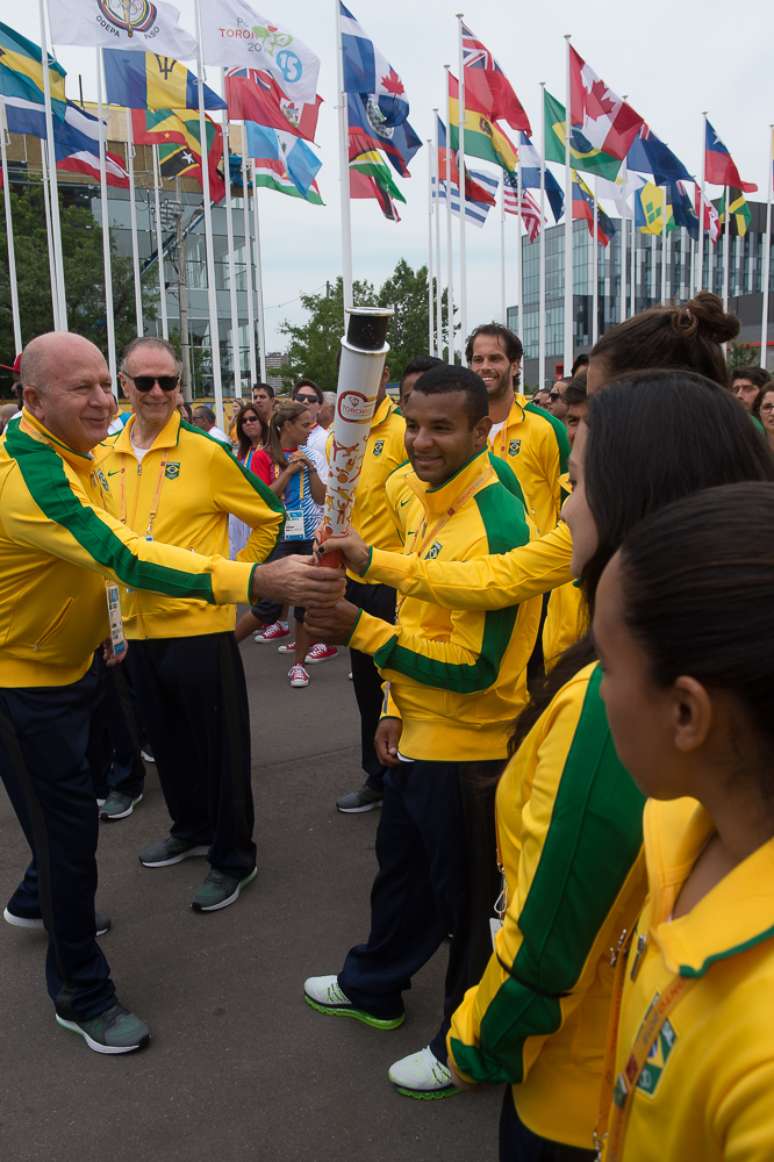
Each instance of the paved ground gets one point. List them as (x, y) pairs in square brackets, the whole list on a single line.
[(239, 1068)]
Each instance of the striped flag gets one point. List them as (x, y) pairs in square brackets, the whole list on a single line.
[(530, 210), (475, 212)]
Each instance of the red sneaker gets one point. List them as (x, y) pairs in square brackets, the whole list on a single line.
[(272, 633), (320, 653)]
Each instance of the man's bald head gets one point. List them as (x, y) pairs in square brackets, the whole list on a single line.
[(44, 358)]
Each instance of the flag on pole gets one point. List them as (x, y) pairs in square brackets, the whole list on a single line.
[(178, 128), (234, 34), (161, 126), (487, 89), (711, 222), (650, 210), (366, 132), (272, 175), (76, 138), (475, 212), (648, 154), (21, 70), (448, 158), (530, 210), (529, 173), (370, 177), (583, 209), (483, 138), (295, 157), (583, 155), (138, 25), (367, 72), (720, 168), (149, 81), (738, 209), (602, 118), (618, 191), (682, 210), (254, 95)]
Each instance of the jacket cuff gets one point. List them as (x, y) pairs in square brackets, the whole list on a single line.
[(231, 581), (388, 568)]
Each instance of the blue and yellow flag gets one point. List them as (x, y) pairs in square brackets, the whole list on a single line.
[(21, 70), (650, 206), (146, 80)]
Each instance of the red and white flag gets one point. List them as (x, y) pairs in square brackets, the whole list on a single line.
[(530, 210), (711, 223), (602, 117)]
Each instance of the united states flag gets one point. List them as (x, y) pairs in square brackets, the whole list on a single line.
[(530, 210)]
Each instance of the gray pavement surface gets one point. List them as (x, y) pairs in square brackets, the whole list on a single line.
[(238, 1068)]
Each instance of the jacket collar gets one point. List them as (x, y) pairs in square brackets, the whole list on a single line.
[(383, 412), (168, 437), (34, 428), (437, 501), (736, 915)]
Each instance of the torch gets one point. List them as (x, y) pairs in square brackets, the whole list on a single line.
[(363, 352)]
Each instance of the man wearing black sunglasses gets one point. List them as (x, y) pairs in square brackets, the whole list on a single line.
[(312, 397)]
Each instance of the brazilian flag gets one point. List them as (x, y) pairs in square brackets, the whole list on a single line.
[(583, 156)]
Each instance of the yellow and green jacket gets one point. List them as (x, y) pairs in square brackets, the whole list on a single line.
[(535, 444), (707, 1089), (385, 451), (58, 546), (567, 620), (457, 680), (181, 494), (490, 582), (569, 831)]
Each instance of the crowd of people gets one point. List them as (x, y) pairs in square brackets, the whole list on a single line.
[(558, 616)]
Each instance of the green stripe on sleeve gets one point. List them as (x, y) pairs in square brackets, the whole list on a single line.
[(43, 472), (506, 476), (267, 496), (560, 432), (503, 518)]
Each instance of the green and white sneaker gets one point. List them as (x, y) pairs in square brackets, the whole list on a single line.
[(323, 994), (118, 806), (422, 1076), (114, 1031), (219, 890), (165, 852)]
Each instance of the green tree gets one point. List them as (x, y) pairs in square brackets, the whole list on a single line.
[(83, 271)]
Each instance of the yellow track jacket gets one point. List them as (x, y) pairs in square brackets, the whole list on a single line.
[(181, 494), (458, 679), (535, 444), (569, 829), (706, 1092), (58, 546)]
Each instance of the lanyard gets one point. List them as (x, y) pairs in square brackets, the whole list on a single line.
[(618, 1091), (154, 503), (426, 537), (301, 480)]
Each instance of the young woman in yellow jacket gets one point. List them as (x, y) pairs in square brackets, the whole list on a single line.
[(685, 637), (569, 818)]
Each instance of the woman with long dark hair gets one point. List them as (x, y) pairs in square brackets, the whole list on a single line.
[(252, 433)]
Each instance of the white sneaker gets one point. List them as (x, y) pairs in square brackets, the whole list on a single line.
[(421, 1075), (287, 648), (298, 676), (322, 993)]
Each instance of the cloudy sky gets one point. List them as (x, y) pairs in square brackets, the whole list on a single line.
[(674, 61)]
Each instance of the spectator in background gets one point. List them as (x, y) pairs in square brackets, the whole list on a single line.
[(766, 412), (204, 417), (252, 434), (576, 402), (746, 383), (556, 405), (411, 373), (186, 411), (7, 411), (16, 387), (263, 398), (581, 361), (311, 396), (542, 397), (327, 411)]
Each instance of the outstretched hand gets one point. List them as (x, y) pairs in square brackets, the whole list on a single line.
[(352, 547), (298, 581)]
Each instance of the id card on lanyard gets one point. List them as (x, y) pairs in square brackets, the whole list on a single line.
[(295, 526)]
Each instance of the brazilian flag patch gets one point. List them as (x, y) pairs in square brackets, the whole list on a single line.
[(172, 470)]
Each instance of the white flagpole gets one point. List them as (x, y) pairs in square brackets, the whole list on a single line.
[(568, 229), (430, 262), (49, 236), (17, 338), (664, 250), (60, 313), (259, 279), (249, 286), (595, 270), (105, 216), (633, 262), (519, 255), (766, 272), (503, 305), (236, 356), (542, 243), (160, 243), (700, 248), (726, 246), (133, 224), (212, 294), (438, 279), (451, 343), (622, 287), (346, 211), (463, 215)]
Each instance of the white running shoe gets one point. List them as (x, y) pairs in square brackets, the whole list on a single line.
[(421, 1075), (299, 679)]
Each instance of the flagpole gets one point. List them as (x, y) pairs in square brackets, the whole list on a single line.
[(438, 280), (60, 312), (726, 246), (622, 288), (248, 263), (766, 273), (519, 255), (542, 243), (212, 294), (633, 263), (259, 279), (595, 269), (461, 143), (346, 209), (568, 230), (105, 216), (700, 260), (503, 307), (160, 243), (450, 346), (133, 224), (664, 250), (236, 355), (49, 238), (430, 263), (17, 338)]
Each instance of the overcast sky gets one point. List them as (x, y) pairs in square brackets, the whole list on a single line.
[(672, 60)]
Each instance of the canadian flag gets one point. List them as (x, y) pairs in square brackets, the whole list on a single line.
[(599, 114)]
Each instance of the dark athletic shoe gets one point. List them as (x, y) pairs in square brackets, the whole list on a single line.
[(219, 890), (356, 802), (114, 1031), (165, 852), (323, 994), (119, 806), (104, 923)]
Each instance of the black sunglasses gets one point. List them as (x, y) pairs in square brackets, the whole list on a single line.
[(307, 399), (146, 382)]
